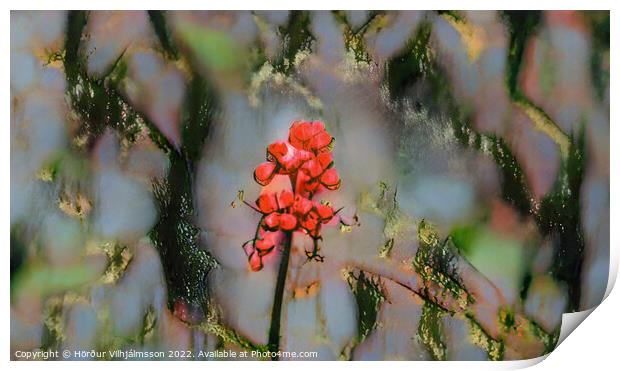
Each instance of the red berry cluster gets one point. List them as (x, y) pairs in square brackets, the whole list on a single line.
[(306, 158)]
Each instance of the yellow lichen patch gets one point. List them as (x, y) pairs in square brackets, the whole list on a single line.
[(73, 298), (45, 174), (431, 332), (379, 22), (95, 247), (148, 329), (366, 202), (77, 206), (80, 141), (346, 274), (494, 348), (53, 319), (106, 338), (227, 335), (527, 340), (427, 234), (345, 228), (545, 124), (444, 290), (386, 248), (53, 59), (307, 291), (267, 74), (353, 70), (474, 37), (398, 224), (507, 318), (119, 258)]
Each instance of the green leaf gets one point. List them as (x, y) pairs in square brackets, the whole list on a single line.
[(45, 280), (464, 236), (430, 331), (369, 297), (213, 49)]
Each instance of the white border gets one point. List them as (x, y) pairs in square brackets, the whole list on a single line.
[(316, 4), (595, 344)]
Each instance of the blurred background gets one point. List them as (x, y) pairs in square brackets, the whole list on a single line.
[(473, 147)]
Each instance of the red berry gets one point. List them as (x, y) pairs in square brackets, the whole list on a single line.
[(264, 173), (288, 222), (266, 203), (330, 179), (255, 261), (325, 212), (266, 242), (325, 160), (285, 199), (309, 136), (272, 221), (302, 205)]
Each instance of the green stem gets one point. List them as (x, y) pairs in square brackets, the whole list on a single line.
[(276, 312)]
